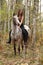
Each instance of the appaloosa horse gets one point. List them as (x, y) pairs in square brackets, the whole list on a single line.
[(16, 35)]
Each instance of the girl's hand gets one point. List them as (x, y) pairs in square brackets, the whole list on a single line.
[(22, 19)]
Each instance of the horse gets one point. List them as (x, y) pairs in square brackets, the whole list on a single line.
[(17, 37)]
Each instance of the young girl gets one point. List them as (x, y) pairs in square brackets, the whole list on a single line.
[(24, 32)]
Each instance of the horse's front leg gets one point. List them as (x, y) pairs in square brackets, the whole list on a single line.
[(25, 48), (19, 42), (14, 48), (19, 49), (22, 44)]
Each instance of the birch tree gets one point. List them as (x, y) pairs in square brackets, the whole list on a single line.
[(0, 16), (0, 10), (10, 8), (5, 15), (8, 15), (27, 5), (35, 49), (13, 2)]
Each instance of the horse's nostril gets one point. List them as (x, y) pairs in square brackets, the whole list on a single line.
[(14, 23)]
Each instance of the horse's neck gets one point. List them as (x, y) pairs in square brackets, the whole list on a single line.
[(16, 28), (13, 27)]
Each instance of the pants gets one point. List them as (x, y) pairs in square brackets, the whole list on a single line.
[(24, 32)]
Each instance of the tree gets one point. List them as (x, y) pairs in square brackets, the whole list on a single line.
[(3, 12), (35, 49), (27, 7)]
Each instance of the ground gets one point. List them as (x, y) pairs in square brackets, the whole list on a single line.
[(7, 56)]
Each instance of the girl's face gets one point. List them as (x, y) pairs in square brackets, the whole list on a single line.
[(20, 17), (20, 14)]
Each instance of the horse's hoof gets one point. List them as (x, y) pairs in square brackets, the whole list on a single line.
[(8, 42), (15, 54)]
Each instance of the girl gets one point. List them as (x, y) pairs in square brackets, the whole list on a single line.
[(24, 32)]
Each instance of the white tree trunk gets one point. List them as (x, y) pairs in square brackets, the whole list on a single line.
[(35, 49), (27, 4), (0, 15), (5, 26), (13, 7), (8, 15)]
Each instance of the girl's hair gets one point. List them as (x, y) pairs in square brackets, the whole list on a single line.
[(20, 12)]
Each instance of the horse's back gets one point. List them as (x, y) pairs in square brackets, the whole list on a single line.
[(28, 30)]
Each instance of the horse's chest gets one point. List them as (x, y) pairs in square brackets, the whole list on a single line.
[(16, 34), (17, 31)]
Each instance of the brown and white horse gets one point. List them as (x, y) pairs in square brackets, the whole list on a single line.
[(16, 35)]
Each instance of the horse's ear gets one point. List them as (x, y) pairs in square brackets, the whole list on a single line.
[(14, 14)]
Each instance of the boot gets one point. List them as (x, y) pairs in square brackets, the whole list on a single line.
[(9, 41)]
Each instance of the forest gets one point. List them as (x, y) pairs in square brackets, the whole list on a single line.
[(33, 18)]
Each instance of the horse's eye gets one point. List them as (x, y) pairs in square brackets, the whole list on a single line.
[(14, 19)]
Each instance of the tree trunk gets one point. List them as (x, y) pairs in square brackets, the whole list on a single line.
[(0, 16), (8, 15), (13, 2), (27, 5), (35, 49)]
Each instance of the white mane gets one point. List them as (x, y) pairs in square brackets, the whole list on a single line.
[(17, 19)]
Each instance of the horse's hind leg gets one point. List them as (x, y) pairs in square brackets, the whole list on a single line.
[(19, 42), (25, 48), (15, 48), (19, 49), (22, 46)]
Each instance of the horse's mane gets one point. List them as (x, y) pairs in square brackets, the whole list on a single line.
[(16, 18)]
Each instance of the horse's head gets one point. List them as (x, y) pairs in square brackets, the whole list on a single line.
[(15, 20)]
